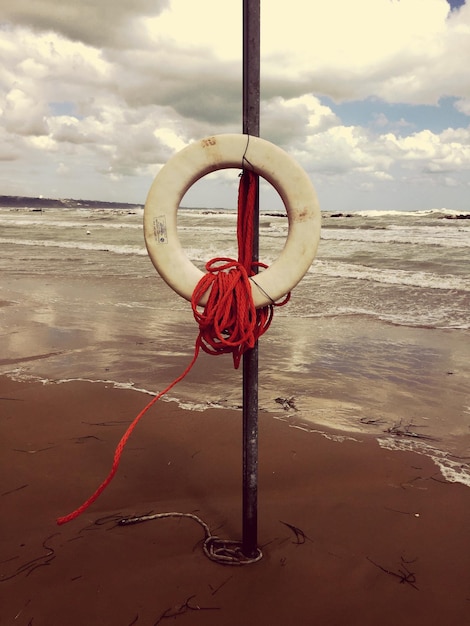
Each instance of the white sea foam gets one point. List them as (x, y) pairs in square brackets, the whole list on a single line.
[(134, 305), (389, 276), (414, 317), (19, 375), (421, 235), (453, 471), (425, 212), (65, 223), (74, 245), (208, 214), (202, 255), (310, 429)]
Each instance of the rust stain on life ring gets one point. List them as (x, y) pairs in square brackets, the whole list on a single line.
[(302, 214), (208, 142)]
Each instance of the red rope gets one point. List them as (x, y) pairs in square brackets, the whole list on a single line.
[(229, 322), (122, 443)]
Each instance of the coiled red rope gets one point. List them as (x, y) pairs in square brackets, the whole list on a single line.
[(229, 323)]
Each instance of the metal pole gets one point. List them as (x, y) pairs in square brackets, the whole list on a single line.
[(251, 115)]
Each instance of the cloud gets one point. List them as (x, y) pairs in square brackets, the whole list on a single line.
[(24, 115), (126, 143), (99, 24), (195, 86), (114, 88), (463, 105), (287, 120), (448, 151), (386, 48)]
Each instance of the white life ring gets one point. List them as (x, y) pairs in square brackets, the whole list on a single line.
[(222, 152)]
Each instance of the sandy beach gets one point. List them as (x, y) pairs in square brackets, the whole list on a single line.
[(353, 531), (350, 533)]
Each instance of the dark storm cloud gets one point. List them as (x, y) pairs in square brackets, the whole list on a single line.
[(95, 22)]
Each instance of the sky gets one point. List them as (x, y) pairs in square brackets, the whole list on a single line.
[(371, 97)]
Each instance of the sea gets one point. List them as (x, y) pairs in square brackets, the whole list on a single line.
[(374, 342)]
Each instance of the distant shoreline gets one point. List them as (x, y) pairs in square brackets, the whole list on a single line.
[(39, 204), (66, 203)]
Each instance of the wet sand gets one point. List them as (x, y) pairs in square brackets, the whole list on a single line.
[(381, 539), (352, 373)]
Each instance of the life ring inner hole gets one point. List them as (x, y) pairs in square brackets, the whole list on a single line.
[(196, 229)]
